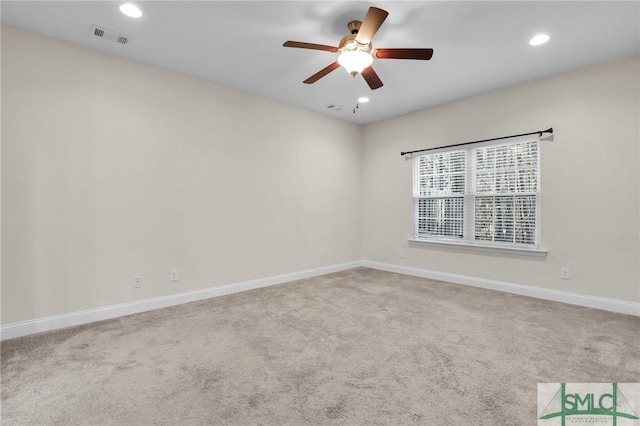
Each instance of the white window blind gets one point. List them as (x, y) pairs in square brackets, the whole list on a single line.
[(485, 194), (441, 189)]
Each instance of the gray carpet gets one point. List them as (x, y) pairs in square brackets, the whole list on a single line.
[(350, 348)]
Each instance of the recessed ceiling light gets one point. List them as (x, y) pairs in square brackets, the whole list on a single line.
[(130, 10), (539, 39), (363, 100)]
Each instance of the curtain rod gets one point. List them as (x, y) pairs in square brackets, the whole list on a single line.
[(539, 132)]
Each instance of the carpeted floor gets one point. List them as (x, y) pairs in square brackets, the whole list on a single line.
[(351, 348)]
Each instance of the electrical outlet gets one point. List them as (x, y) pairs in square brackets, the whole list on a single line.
[(565, 273), (322, 254), (401, 254), (137, 281), (173, 275)]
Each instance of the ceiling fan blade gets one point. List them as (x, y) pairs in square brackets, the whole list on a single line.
[(303, 45), (371, 78), (324, 71), (371, 24), (423, 54)]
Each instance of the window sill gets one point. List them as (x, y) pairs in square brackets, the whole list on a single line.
[(480, 247)]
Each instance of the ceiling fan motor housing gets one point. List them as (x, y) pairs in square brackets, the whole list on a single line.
[(349, 42)]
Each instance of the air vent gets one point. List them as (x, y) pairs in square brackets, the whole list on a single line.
[(109, 35)]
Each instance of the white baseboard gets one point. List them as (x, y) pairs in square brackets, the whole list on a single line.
[(39, 325), (613, 305), (55, 322)]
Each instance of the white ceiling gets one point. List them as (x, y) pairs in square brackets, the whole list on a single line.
[(479, 46)]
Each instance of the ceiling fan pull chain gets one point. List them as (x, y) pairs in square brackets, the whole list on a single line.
[(354, 94)]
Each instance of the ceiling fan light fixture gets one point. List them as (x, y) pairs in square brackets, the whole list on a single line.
[(354, 61), (356, 51)]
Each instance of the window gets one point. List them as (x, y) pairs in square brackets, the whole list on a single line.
[(483, 195)]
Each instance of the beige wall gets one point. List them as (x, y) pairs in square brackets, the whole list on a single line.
[(112, 168), (590, 181)]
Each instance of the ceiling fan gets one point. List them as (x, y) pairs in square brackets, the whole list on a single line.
[(357, 53)]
